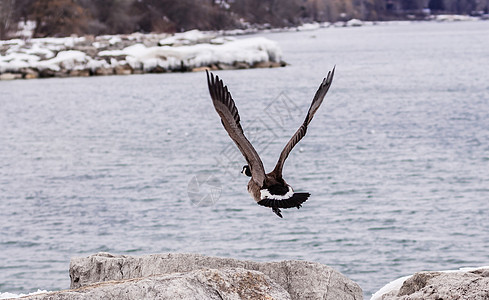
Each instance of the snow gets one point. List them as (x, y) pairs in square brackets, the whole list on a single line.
[(249, 50), (16, 42), (309, 26), (36, 49), (222, 40), (191, 49), (10, 295), (26, 29), (354, 22), (395, 285), (187, 38), (67, 59), (134, 50), (65, 41), (186, 50), (239, 31), (70, 60), (452, 18), (15, 61), (390, 287), (114, 40)]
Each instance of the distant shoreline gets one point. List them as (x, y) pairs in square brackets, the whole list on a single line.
[(133, 54), (138, 53)]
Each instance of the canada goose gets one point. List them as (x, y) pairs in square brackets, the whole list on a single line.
[(270, 189)]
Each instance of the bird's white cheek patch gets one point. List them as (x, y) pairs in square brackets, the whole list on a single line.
[(265, 194)]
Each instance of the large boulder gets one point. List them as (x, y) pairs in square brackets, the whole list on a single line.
[(301, 279), (204, 284), (464, 284)]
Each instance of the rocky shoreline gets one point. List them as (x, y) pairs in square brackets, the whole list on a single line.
[(139, 53), (34, 73), (468, 283), (194, 276), (133, 54)]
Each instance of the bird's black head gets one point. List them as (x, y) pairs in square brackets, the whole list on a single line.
[(246, 170)]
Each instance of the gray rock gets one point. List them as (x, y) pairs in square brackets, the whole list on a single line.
[(44, 73), (123, 70), (88, 49), (223, 66), (79, 73), (302, 279), (158, 69), (204, 284), (10, 76), (104, 71), (472, 285), (267, 64), (241, 65), (30, 73)]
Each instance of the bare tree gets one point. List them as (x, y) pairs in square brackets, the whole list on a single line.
[(65, 17), (7, 22), (436, 5), (109, 16), (171, 16), (273, 12), (58, 18)]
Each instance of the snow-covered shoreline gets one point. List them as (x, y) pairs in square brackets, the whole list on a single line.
[(154, 53), (133, 54), (14, 296), (392, 289)]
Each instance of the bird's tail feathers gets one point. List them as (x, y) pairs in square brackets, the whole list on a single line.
[(295, 201)]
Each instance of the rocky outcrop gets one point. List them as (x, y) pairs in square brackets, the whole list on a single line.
[(301, 279), (134, 54), (204, 284), (469, 284)]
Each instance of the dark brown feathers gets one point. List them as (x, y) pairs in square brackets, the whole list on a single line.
[(301, 132), (226, 108)]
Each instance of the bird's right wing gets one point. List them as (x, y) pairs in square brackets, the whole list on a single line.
[(301, 132), (226, 108)]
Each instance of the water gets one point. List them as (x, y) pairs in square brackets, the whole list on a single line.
[(396, 160)]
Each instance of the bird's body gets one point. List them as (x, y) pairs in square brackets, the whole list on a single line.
[(269, 189), (276, 193)]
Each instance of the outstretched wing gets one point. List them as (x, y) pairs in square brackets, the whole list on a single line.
[(301, 132), (226, 108)]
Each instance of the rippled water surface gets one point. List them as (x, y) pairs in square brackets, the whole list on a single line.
[(396, 160)]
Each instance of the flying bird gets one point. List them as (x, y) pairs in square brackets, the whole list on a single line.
[(269, 189)]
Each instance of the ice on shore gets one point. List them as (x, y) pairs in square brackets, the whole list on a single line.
[(11, 296), (354, 23), (250, 51), (309, 26), (67, 60), (391, 286), (396, 285), (187, 38), (453, 18), (188, 50)]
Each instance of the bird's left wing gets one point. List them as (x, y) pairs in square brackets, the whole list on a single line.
[(226, 108)]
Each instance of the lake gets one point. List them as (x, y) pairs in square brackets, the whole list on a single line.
[(396, 160)]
